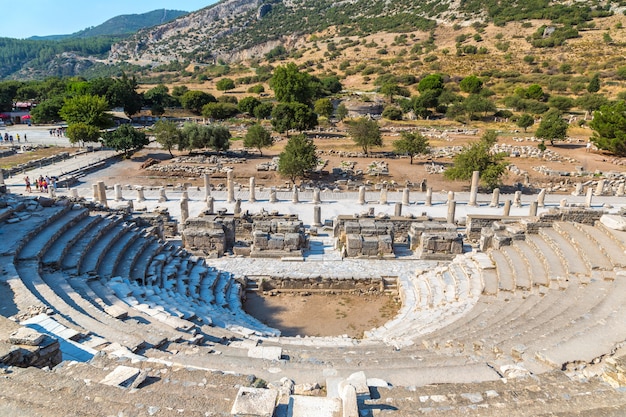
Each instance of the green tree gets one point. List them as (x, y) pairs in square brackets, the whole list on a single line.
[(258, 137), (430, 82), (82, 132), (125, 138), (365, 133), (591, 102), (123, 93), (87, 109), (561, 103), (389, 89), (471, 84), (475, 103), (263, 110), (535, 92), (48, 110), (288, 116), (411, 144), (609, 125), (323, 107), (195, 100), (594, 83), (225, 84), (552, 127), (342, 111), (219, 111), (298, 158), (158, 98), (478, 157), (248, 104), (291, 85), (525, 121), (167, 134)]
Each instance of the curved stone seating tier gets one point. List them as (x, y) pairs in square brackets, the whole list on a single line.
[(566, 251), (116, 252), (90, 260), (551, 260), (592, 255), (52, 257)]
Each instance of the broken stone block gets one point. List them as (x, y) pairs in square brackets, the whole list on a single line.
[(257, 402), (269, 353), (26, 336), (122, 376), (614, 221)]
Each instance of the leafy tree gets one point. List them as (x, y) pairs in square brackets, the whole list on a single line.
[(535, 92), (392, 113), (389, 89), (179, 90), (248, 104), (323, 107), (291, 85), (125, 138), (48, 110), (594, 84), (258, 137), (471, 84), (225, 84), (411, 144), (478, 157), (263, 110), (525, 121), (561, 103), (552, 127), (219, 111), (609, 125), (195, 100), (298, 158), (167, 134), (342, 111), (82, 132), (256, 89), (430, 82), (287, 116), (591, 102), (365, 133), (475, 103), (87, 109), (158, 98), (123, 93)]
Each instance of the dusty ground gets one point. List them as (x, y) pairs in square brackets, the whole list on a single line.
[(321, 314)]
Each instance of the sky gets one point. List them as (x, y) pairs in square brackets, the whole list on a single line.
[(62, 17)]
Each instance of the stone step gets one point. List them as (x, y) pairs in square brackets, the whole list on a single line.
[(535, 262), (506, 277), (607, 242), (37, 245), (552, 261), (566, 250), (54, 254), (588, 249), (117, 252), (126, 264), (73, 257), (91, 259), (519, 267), (140, 266)]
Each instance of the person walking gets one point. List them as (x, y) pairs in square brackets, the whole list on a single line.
[(27, 181)]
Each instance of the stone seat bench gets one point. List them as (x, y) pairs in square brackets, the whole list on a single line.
[(504, 272), (566, 250), (117, 252), (590, 252), (52, 257), (47, 237), (518, 267), (552, 261), (139, 268), (611, 248), (127, 262), (536, 272), (74, 255), (91, 259)]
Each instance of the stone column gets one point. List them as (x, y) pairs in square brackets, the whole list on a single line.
[(507, 208), (295, 199), (184, 209), (533, 209), (317, 196), (495, 198), (541, 198), (474, 188), (517, 199), (252, 198), (317, 216), (451, 212), (600, 187), (102, 193), (578, 189), (273, 198), (210, 205), (429, 197), (361, 195), (620, 190), (383, 196), (237, 209), (140, 196), (162, 196), (230, 184), (563, 203), (207, 186), (405, 197), (74, 193), (450, 197), (95, 192), (118, 192), (398, 210), (589, 197), (131, 206)]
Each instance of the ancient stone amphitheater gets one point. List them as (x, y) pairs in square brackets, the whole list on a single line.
[(102, 317)]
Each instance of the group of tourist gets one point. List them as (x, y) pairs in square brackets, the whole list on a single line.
[(9, 138), (58, 132), (41, 184)]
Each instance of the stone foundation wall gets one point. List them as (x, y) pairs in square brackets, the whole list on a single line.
[(440, 246), (320, 284), (360, 246)]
